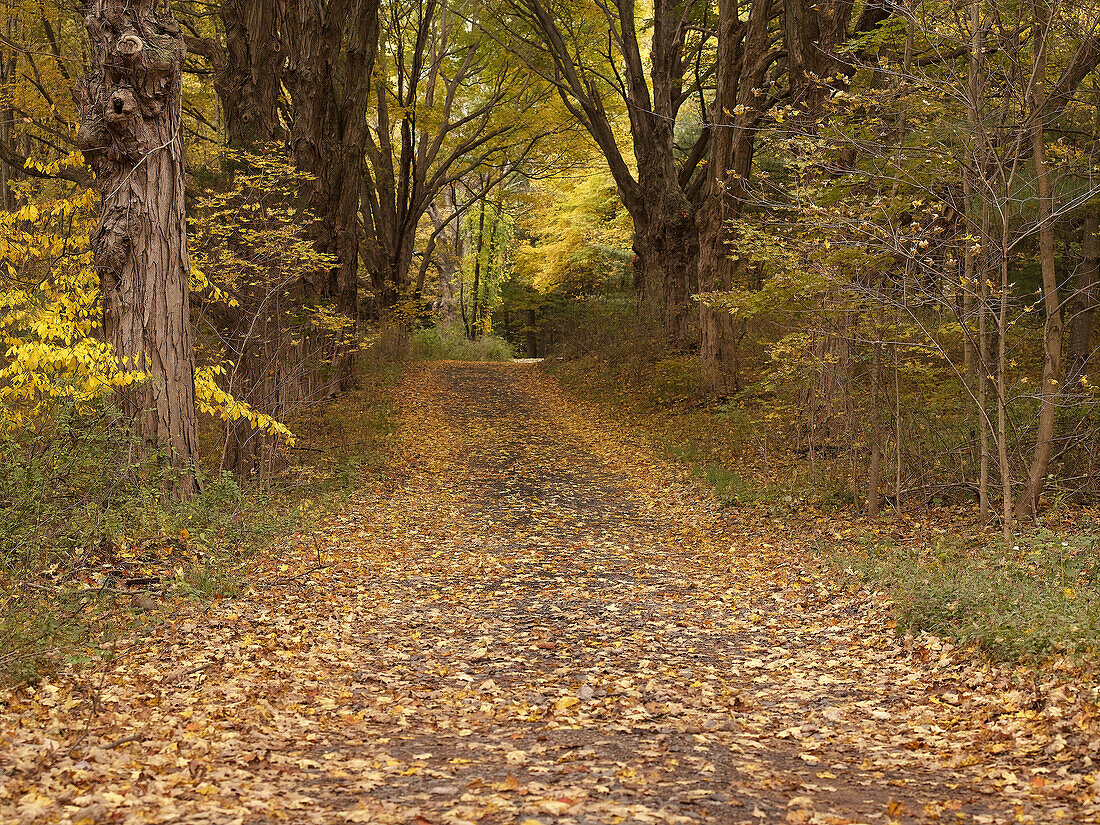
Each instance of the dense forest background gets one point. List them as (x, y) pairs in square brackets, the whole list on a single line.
[(844, 253)]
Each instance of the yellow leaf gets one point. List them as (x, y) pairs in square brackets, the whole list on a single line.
[(566, 702)]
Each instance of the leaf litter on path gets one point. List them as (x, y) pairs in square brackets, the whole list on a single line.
[(532, 618)]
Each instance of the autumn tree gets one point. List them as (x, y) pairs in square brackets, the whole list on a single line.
[(300, 73), (745, 54), (454, 118), (905, 252), (657, 169)]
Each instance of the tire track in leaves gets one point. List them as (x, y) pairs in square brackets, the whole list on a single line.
[(533, 619)]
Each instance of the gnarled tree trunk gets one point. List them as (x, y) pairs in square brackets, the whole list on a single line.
[(130, 134)]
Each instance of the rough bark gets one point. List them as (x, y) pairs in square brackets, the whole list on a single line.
[(742, 60), (130, 109), (247, 82), (666, 248), (812, 31), (330, 49), (246, 70)]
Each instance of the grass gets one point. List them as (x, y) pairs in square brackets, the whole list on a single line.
[(74, 581), (345, 441), (87, 555), (1035, 601), (448, 342)]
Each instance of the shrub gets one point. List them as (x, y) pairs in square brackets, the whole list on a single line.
[(448, 342)]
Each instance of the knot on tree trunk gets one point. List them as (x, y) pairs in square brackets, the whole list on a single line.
[(129, 45), (137, 60), (121, 110)]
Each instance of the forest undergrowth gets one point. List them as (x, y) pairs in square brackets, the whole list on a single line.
[(943, 571), (91, 553), (449, 341)]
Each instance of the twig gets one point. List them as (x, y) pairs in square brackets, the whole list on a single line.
[(178, 676), (133, 737)]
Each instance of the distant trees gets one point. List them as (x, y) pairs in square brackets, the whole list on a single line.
[(693, 99), (453, 119), (594, 56)]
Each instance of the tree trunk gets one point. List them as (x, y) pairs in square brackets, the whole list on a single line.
[(977, 267), (1050, 391), (1008, 524), (876, 430), (985, 509), (130, 108), (448, 257), (7, 124), (666, 249), (813, 31), (246, 79), (8, 67), (330, 51), (740, 69), (475, 295), (247, 70), (1088, 295), (718, 360), (7, 118), (532, 334), (248, 82)]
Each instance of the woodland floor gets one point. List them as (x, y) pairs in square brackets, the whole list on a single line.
[(533, 617)]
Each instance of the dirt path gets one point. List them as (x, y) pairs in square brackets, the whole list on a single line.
[(534, 618)]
